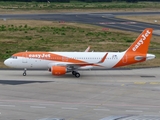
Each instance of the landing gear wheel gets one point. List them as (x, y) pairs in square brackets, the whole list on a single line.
[(77, 75), (24, 74), (73, 72)]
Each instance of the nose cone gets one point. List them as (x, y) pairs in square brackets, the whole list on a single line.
[(6, 62)]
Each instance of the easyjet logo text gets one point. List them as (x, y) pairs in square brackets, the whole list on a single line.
[(39, 55), (142, 40)]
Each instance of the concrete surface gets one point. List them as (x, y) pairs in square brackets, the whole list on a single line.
[(93, 96)]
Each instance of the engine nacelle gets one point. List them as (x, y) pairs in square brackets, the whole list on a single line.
[(58, 70)]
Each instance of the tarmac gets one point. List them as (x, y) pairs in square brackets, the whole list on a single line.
[(93, 96), (105, 19)]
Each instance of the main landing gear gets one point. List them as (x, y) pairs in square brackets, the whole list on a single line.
[(24, 73), (76, 74)]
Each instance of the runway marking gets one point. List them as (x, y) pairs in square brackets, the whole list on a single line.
[(122, 84), (102, 109), (154, 83), (69, 108), (37, 107), (7, 105), (140, 83), (133, 111)]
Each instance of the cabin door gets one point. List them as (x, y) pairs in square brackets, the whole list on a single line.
[(24, 59)]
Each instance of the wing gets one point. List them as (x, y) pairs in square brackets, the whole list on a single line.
[(74, 66)]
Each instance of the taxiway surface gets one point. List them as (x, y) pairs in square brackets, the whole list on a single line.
[(93, 96), (105, 19)]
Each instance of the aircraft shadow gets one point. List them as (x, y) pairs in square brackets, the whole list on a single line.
[(20, 82)]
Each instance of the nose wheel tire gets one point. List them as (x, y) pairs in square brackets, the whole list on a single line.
[(24, 74)]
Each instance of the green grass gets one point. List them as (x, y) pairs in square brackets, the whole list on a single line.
[(22, 35), (76, 5)]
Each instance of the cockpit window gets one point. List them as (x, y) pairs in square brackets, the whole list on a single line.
[(13, 57)]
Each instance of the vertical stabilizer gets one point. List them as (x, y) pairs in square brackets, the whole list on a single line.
[(141, 44), (137, 52)]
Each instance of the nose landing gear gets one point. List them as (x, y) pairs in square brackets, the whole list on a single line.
[(24, 73)]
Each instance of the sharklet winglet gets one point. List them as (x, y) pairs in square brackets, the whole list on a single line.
[(103, 59), (87, 50)]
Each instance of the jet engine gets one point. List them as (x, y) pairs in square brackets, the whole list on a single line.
[(58, 70)]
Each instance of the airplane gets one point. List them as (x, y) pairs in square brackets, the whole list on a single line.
[(60, 63)]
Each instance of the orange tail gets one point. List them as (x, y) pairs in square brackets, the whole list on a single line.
[(141, 44), (137, 52)]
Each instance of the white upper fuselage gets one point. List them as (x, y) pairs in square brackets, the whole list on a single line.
[(38, 60)]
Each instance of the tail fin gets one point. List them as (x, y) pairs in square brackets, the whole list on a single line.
[(141, 44), (137, 52)]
